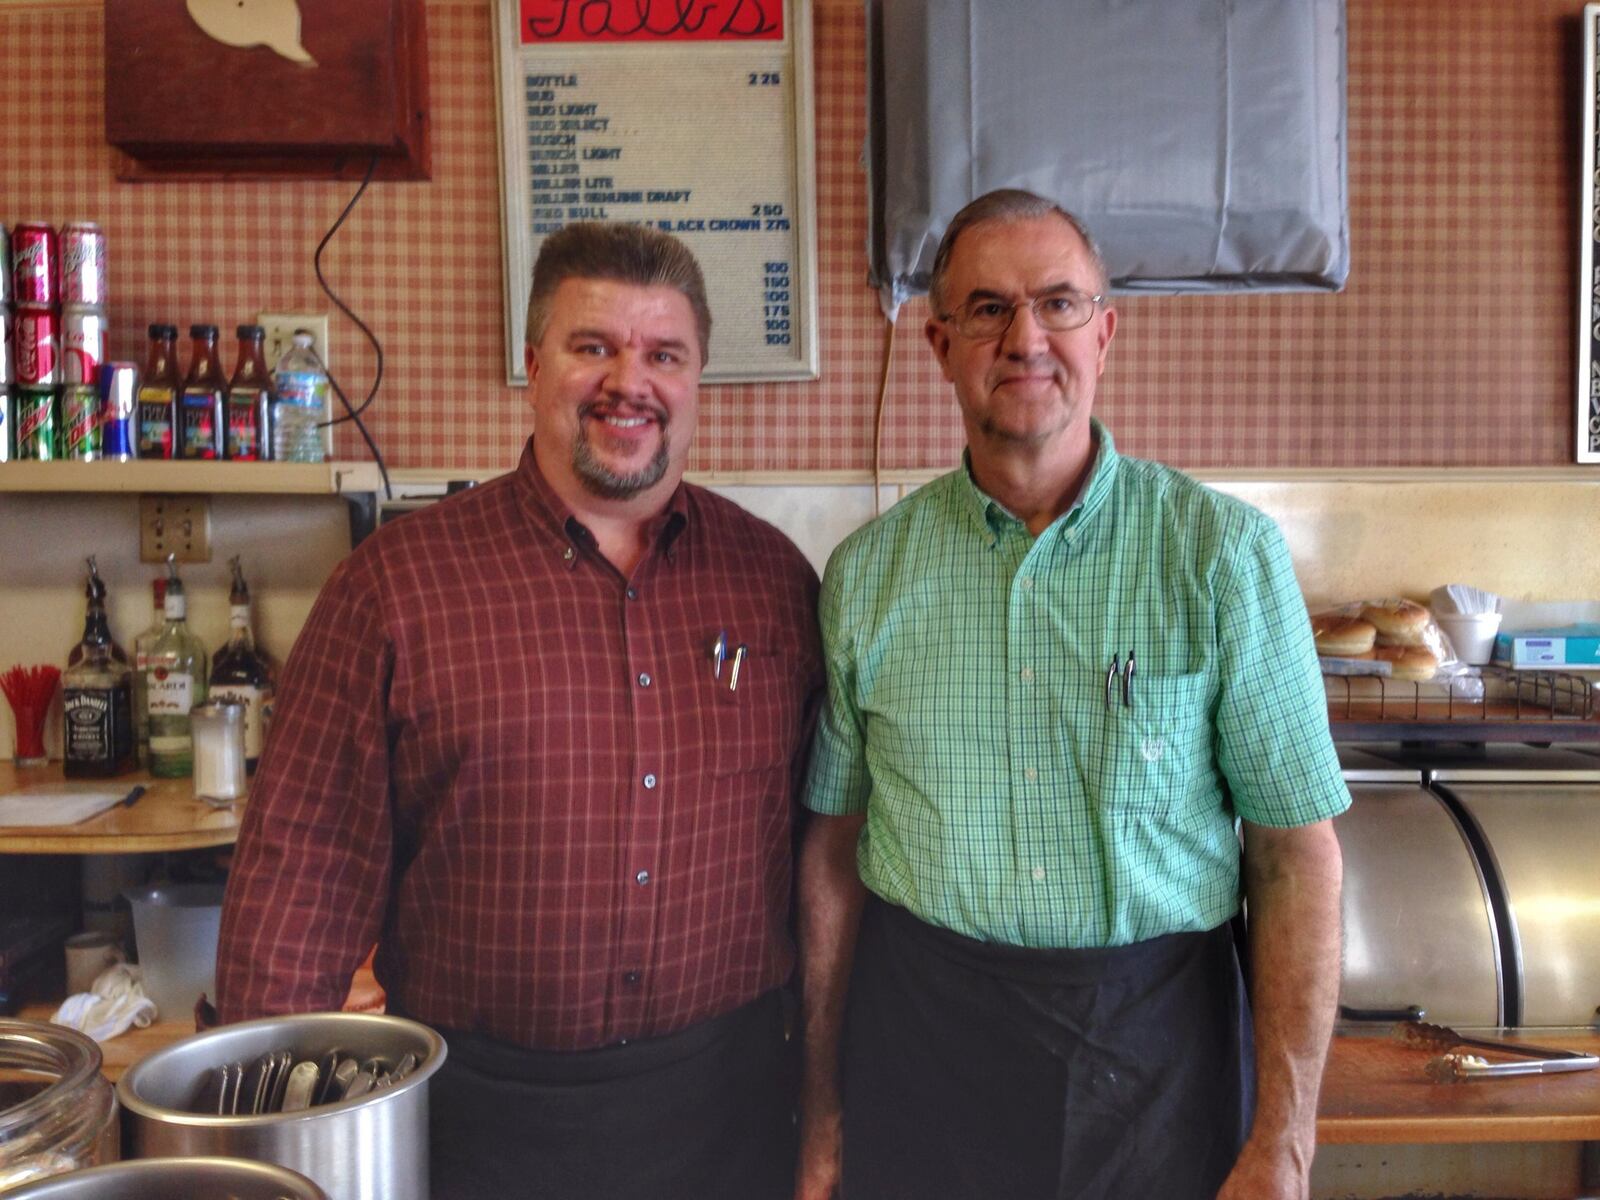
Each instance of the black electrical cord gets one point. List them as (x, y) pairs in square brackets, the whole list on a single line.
[(353, 413)]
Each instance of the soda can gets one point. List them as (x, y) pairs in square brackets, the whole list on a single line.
[(119, 411), (38, 431), (83, 343), (8, 353), (80, 422), (83, 264), (5, 266), (8, 422), (33, 265), (38, 347)]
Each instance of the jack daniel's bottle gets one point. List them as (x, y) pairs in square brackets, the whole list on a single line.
[(98, 696)]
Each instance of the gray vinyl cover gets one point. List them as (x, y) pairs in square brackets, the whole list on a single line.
[(1202, 142)]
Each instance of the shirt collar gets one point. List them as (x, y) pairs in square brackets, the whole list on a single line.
[(549, 513), (993, 518)]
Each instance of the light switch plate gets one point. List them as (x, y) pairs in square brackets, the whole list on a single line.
[(178, 525)]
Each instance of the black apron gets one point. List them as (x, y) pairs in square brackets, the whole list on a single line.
[(974, 1071), (703, 1114)]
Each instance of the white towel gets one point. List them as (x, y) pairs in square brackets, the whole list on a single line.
[(115, 1004)]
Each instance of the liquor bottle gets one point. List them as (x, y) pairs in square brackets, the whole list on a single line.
[(241, 672), (96, 585), (201, 424), (175, 682), (97, 700), (158, 395), (141, 663), (250, 400)]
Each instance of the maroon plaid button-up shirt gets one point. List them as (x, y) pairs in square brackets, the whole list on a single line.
[(516, 772)]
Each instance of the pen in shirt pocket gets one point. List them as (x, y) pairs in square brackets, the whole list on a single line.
[(719, 654)]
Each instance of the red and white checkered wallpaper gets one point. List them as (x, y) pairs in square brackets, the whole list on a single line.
[(1452, 345)]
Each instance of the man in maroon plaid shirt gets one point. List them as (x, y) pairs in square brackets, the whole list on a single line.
[(541, 743)]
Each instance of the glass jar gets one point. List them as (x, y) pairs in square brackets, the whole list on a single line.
[(57, 1112)]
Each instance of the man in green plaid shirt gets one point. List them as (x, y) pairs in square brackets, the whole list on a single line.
[(1061, 683)]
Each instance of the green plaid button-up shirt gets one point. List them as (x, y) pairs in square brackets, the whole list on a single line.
[(968, 714)]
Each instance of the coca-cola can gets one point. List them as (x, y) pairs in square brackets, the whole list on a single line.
[(8, 424), (38, 347), (5, 266), (83, 344), (80, 422), (119, 410), (33, 265), (83, 264)]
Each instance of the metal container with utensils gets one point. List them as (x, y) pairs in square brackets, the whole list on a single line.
[(372, 1145), (165, 1178)]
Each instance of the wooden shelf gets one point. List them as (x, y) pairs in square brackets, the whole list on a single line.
[(1375, 1091), (165, 476), (166, 817)]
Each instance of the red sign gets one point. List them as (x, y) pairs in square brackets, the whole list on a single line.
[(651, 21)]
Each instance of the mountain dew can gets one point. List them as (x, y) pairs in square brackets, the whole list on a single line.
[(80, 422), (38, 430)]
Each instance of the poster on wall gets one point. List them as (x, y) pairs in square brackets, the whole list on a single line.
[(1589, 242), (692, 116)]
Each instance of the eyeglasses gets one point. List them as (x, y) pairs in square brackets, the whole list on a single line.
[(1059, 312)]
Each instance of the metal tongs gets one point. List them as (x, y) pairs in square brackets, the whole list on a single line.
[(1456, 1068)]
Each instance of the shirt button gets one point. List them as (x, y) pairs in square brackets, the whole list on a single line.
[(649, 781), (633, 593), (1027, 583), (1027, 674), (569, 553), (644, 679), (1030, 774), (643, 877), (631, 977), (1038, 874)]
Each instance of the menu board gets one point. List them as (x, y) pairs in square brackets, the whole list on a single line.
[(692, 116)]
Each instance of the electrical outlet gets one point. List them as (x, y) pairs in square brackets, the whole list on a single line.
[(178, 525), (280, 329)]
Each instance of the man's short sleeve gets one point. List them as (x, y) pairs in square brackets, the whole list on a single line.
[(838, 783), (1273, 744)]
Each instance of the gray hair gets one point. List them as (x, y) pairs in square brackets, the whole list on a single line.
[(634, 254), (1006, 204)]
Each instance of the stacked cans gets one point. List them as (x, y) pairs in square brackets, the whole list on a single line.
[(8, 370), (58, 285)]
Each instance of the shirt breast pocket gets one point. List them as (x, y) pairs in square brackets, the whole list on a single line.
[(753, 711), (1155, 749)]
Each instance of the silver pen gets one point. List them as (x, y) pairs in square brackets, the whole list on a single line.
[(719, 651), (738, 661)]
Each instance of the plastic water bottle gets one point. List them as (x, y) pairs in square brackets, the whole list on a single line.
[(301, 386)]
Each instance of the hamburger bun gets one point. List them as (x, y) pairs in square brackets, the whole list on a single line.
[(1398, 622), (1414, 663), (1342, 637)]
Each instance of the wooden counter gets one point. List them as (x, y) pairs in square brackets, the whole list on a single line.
[(123, 1051), (166, 817), (1375, 1091)]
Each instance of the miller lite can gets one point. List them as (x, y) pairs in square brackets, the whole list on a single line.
[(37, 345), (83, 344), (8, 422), (83, 264), (33, 265), (119, 411)]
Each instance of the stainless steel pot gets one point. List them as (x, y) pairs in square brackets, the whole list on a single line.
[(164, 1178), (371, 1148)]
